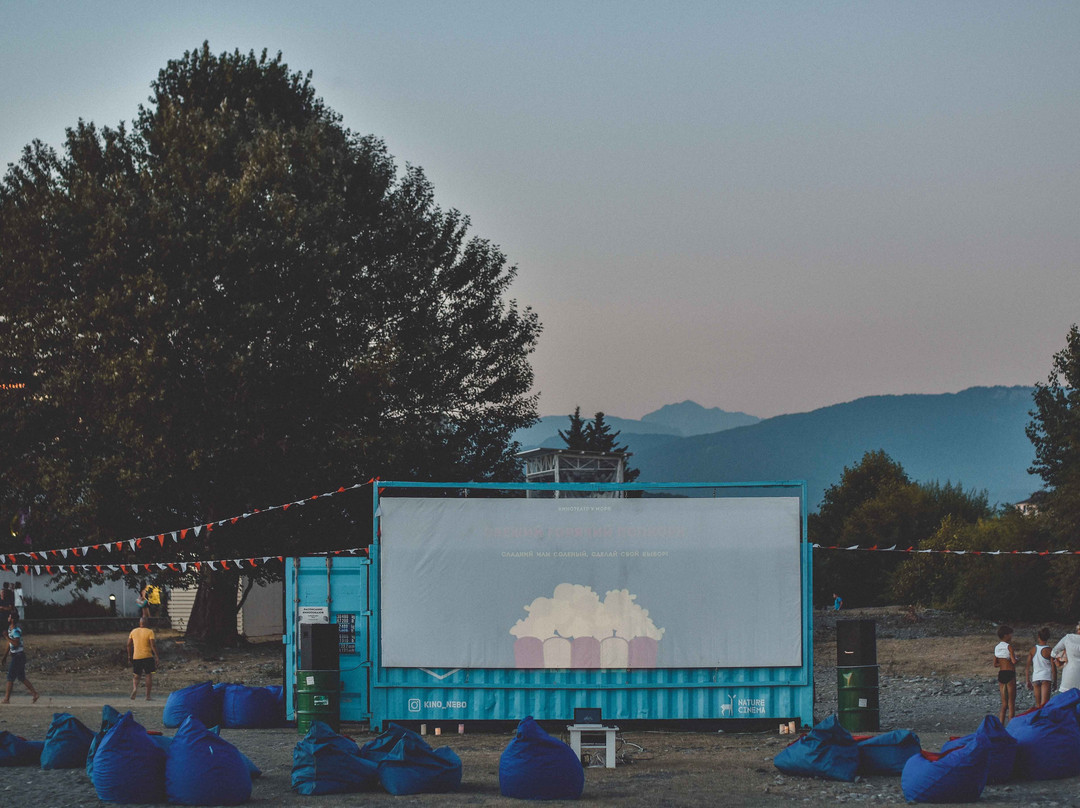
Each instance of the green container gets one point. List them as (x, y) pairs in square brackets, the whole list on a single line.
[(318, 698), (857, 698)]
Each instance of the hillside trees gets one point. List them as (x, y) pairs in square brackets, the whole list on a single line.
[(235, 302), (875, 503)]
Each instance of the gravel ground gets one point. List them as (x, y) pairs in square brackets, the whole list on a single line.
[(934, 679)]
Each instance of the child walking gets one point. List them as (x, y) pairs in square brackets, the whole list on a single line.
[(1040, 668), (17, 671), (1005, 661)]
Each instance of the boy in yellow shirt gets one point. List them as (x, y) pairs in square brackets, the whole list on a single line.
[(143, 656)]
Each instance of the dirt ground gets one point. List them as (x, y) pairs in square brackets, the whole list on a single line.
[(935, 679)]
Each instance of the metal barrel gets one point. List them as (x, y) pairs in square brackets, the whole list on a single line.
[(857, 698), (318, 698)]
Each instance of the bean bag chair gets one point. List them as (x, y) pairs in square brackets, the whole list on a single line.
[(203, 769), (16, 751), (66, 743), (1002, 748), (887, 754), (955, 776), (1048, 742), (536, 766), (251, 707), (109, 717), (828, 751), (128, 766), (413, 767), (198, 701), (165, 741), (384, 744), (327, 763)]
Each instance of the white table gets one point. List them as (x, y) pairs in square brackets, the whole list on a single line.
[(593, 731)]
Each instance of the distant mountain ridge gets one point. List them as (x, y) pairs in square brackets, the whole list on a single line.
[(674, 420), (975, 437)]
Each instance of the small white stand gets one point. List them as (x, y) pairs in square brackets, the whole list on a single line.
[(576, 743)]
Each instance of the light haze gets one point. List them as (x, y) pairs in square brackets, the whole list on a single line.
[(766, 207)]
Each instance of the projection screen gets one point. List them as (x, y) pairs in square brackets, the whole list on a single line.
[(577, 583)]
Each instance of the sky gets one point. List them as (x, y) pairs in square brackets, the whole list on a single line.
[(766, 207)]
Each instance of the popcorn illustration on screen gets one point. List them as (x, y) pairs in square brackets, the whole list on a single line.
[(575, 629)]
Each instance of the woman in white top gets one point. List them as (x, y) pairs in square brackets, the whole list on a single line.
[(1040, 668), (1068, 649)]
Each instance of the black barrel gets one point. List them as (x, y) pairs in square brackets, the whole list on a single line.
[(856, 643)]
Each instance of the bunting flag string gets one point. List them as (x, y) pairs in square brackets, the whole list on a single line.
[(160, 566), (914, 550), (174, 535)]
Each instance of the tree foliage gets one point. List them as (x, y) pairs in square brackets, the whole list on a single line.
[(1055, 434), (596, 436), (875, 503), (237, 301)]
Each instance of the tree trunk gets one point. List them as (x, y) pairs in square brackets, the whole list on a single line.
[(213, 615)]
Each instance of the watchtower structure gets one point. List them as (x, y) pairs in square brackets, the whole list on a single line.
[(574, 466)]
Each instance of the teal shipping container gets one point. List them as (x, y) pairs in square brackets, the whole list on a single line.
[(479, 602)]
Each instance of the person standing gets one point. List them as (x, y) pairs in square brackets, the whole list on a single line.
[(20, 603), (143, 656), (17, 671), (1040, 668), (144, 601), (7, 605), (1067, 651), (1005, 660)]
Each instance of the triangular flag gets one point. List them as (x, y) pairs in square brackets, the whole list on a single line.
[(197, 529)]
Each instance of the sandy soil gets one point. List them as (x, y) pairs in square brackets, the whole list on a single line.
[(934, 674)]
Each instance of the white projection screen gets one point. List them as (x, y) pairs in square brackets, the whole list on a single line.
[(590, 583)]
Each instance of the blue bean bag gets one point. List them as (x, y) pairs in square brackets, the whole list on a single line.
[(203, 769), (66, 743), (413, 767), (327, 763), (956, 776), (165, 741), (1002, 748), (1048, 742), (16, 751), (828, 750), (251, 707), (128, 766), (109, 717), (375, 750), (198, 700), (887, 754), (536, 766)]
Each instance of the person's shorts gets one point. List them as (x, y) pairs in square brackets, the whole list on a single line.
[(17, 668), (141, 666), (1004, 677)]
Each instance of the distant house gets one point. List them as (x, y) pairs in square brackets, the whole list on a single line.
[(1030, 506)]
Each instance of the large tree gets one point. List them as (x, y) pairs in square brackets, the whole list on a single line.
[(1055, 433), (234, 302)]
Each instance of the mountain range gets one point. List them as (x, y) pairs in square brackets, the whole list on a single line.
[(975, 438)]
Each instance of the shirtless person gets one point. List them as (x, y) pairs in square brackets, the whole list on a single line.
[(1005, 661), (143, 656)]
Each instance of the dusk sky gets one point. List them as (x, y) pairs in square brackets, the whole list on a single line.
[(767, 207)]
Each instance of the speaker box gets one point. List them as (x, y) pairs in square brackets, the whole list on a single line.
[(856, 643), (319, 647)]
